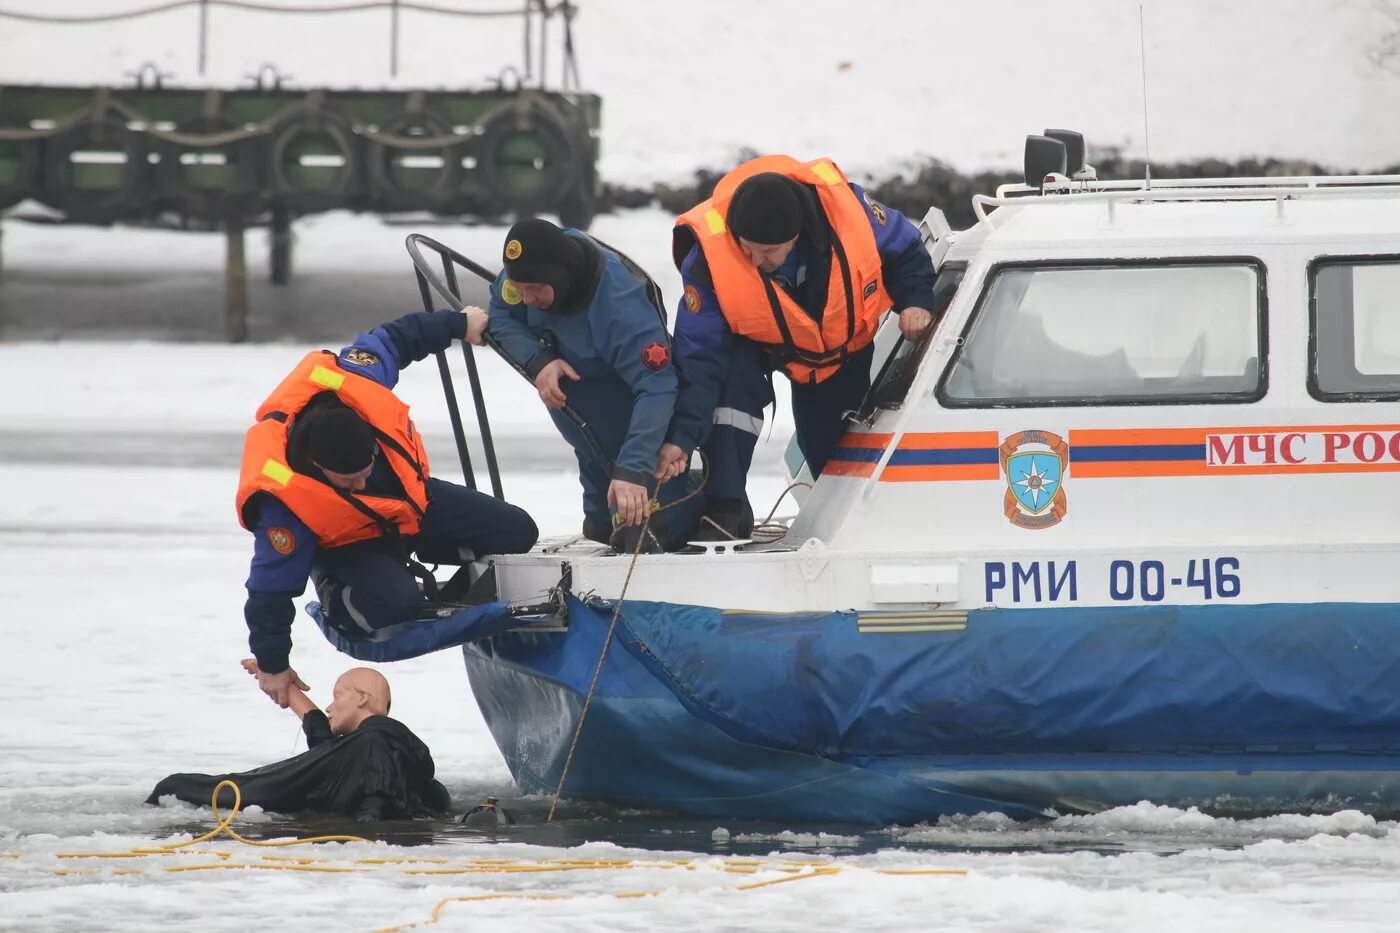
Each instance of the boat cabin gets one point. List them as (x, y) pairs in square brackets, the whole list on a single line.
[(1135, 393)]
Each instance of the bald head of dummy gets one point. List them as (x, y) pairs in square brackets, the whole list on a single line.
[(359, 694)]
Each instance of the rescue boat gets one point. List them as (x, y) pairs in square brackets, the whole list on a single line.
[(1122, 526)]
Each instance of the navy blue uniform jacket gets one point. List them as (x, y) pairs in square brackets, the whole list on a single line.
[(276, 578), (619, 335)]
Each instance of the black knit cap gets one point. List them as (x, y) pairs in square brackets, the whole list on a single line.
[(339, 440), (765, 209), (538, 253)]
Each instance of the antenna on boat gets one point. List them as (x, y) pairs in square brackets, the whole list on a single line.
[(1142, 60)]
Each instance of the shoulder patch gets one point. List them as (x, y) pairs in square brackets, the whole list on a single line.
[(514, 249), (281, 539), (510, 292), (876, 208), (361, 357), (692, 299), (656, 355)]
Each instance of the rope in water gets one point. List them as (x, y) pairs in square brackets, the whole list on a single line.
[(602, 655), (622, 596)]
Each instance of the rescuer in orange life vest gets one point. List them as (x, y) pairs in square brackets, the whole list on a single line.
[(788, 266), (334, 485)]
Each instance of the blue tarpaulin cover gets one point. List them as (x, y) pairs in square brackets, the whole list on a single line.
[(418, 637), (1284, 678)]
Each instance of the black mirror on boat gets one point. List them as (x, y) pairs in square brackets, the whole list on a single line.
[(1074, 148), (1044, 156)]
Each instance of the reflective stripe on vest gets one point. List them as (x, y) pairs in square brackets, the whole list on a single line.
[(856, 297), (336, 517)]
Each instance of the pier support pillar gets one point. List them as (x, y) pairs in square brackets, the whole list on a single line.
[(280, 238), (235, 283)]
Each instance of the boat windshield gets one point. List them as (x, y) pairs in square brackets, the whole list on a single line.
[(1140, 333)]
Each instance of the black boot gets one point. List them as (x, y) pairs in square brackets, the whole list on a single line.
[(595, 530), (734, 518)]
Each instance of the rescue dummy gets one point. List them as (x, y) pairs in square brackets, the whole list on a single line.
[(359, 762)]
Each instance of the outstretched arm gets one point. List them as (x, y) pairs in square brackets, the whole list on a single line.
[(313, 722), (297, 700)]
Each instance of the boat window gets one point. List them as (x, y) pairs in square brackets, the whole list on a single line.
[(1133, 333), (1355, 329), (897, 374)]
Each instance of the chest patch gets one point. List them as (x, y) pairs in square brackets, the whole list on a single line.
[(510, 292), (656, 355), (281, 539)]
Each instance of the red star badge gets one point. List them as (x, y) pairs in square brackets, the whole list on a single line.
[(656, 355)]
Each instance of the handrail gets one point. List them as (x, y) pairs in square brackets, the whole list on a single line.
[(445, 285), (1193, 189)]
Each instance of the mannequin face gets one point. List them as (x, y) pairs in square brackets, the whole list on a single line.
[(359, 694)]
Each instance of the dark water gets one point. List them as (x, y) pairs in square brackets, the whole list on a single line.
[(1163, 831)]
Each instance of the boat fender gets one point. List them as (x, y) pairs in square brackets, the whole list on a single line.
[(385, 179), (62, 189), (505, 127), (314, 128)]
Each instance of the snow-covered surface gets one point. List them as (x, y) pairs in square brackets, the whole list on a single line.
[(121, 589), (121, 584), (870, 84)]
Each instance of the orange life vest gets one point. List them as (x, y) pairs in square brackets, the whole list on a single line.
[(808, 351), (335, 516)]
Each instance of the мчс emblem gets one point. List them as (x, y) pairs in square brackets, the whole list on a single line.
[(692, 299), (513, 249), (656, 355), (361, 357), (510, 292), (281, 539), (1034, 463), (876, 208)]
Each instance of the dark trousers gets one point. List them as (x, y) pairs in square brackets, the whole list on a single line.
[(606, 405), (818, 413), (368, 585)]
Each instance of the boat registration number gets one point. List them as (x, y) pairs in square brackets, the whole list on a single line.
[(1148, 581)]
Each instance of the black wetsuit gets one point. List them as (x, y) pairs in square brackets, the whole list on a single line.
[(379, 771)]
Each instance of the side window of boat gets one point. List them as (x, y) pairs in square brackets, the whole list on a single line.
[(1355, 337), (897, 373), (1150, 332)]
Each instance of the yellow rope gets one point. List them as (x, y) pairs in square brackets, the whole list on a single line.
[(819, 870), (221, 827)]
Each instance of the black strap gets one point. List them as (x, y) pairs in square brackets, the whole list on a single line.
[(398, 448), (789, 351), (658, 301), (391, 534)]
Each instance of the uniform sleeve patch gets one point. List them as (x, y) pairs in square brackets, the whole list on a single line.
[(692, 299), (510, 292), (876, 208), (656, 355), (281, 539), (361, 357)]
